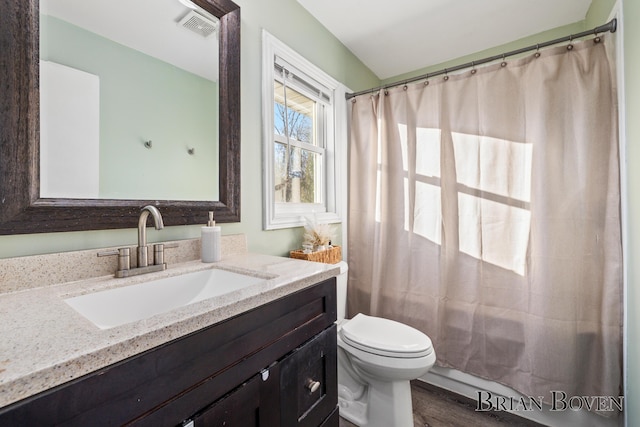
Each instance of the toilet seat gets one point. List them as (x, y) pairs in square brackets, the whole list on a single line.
[(385, 337)]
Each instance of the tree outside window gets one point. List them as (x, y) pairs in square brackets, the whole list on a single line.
[(297, 157)]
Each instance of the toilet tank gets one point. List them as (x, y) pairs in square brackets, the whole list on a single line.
[(341, 289)]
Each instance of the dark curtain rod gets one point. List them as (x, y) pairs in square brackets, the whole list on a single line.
[(610, 26)]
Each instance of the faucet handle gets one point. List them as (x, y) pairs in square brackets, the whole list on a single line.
[(158, 252), (124, 257)]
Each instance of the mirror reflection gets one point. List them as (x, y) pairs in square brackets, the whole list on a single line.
[(129, 98)]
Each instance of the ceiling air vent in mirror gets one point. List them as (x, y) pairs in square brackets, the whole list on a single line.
[(199, 24)]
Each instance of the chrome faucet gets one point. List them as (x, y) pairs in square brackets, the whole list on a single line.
[(143, 256), (124, 268)]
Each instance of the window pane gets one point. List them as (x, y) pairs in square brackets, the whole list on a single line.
[(297, 176), (299, 115)]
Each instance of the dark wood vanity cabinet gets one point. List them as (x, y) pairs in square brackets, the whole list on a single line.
[(275, 365), (299, 390)]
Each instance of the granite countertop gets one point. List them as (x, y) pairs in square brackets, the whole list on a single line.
[(45, 342)]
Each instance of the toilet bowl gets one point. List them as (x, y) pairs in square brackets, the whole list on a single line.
[(376, 360)]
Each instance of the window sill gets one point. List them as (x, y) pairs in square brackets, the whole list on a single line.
[(291, 220)]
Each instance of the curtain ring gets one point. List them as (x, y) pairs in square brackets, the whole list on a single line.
[(386, 92), (597, 38), (405, 87), (504, 63), (537, 54), (426, 82), (446, 76), (473, 67), (570, 45)]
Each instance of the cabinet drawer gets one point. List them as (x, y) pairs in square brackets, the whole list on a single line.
[(308, 381)]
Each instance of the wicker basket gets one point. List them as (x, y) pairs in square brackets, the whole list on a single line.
[(329, 256)]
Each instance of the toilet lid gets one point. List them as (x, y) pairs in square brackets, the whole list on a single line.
[(385, 337)]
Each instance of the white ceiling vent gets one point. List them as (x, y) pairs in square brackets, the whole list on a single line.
[(199, 24)]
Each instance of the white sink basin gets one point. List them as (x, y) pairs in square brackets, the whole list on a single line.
[(115, 307)]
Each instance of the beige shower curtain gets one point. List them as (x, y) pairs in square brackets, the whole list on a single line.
[(485, 211)]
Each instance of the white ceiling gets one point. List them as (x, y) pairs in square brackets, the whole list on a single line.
[(400, 36), (149, 26)]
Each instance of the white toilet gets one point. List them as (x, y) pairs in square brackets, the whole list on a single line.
[(376, 360)]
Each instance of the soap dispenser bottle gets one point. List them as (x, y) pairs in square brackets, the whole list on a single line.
[(211, 235)]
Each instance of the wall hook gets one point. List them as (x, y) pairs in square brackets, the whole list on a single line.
[(148, 143)]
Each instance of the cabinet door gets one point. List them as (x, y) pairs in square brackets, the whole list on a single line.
[(240, 408), (308, 382)]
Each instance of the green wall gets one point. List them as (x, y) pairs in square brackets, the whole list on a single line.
[(527, 41), (291, 23), (631, 32), (597, 15), (288, 21), (143, 98)]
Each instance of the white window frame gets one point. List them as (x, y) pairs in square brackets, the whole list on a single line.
[(331, 210)]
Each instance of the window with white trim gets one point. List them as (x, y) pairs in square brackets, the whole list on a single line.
[(304, 111)]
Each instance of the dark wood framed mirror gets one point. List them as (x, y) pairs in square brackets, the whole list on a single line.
[(23, 211)]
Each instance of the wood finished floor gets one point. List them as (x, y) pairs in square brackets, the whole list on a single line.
[(433, 407)]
